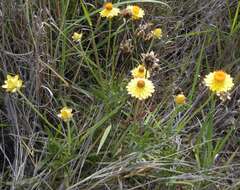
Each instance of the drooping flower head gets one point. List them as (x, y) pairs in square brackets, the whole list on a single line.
[(140, 72), (144, 31), (77, 36), (140, 88), (13, 83), (219, 81), (109, 11), (65, 114), (136, 12), (180, 99), (126, 46), (149, 59), (157, 33)]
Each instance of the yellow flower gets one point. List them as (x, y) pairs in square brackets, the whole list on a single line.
[(13, 83), (140, 72), (65, 114), (77, 37), (157, 33), (180, 99), (140, 88), (109, 11), (136, 12), (219, 81)]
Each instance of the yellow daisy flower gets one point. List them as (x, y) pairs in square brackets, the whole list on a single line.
[(140, 72), (13, 83), (180, 99), (136, 12), (219, 81), (140, 88), (77, 36), (65, 114), (157, 33), (109, 11)]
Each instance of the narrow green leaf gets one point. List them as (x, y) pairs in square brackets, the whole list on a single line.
[(197, 71), (145, 1), (222, 142), (86, 13), (235, 18), (104, 137), (91, 130)]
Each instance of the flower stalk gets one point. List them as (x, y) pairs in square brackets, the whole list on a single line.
[(37, 112)]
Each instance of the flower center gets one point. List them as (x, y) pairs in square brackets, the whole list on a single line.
[(180, 99), (141, 69), (219, 76), (135, 9), (140, 84), (65, 114), (157, 32), (108, 6)]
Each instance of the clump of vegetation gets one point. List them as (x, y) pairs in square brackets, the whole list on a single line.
[(120, 95)]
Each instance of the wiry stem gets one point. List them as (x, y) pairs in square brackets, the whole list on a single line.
[(37, 112)]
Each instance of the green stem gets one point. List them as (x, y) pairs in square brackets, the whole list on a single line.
[(96, 53), (115, 51), (210, 130), (37, 112), (136, 111), (150, 46), (109, 41), (187, 118), (69, 138), (137, 120), (99, 77)]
